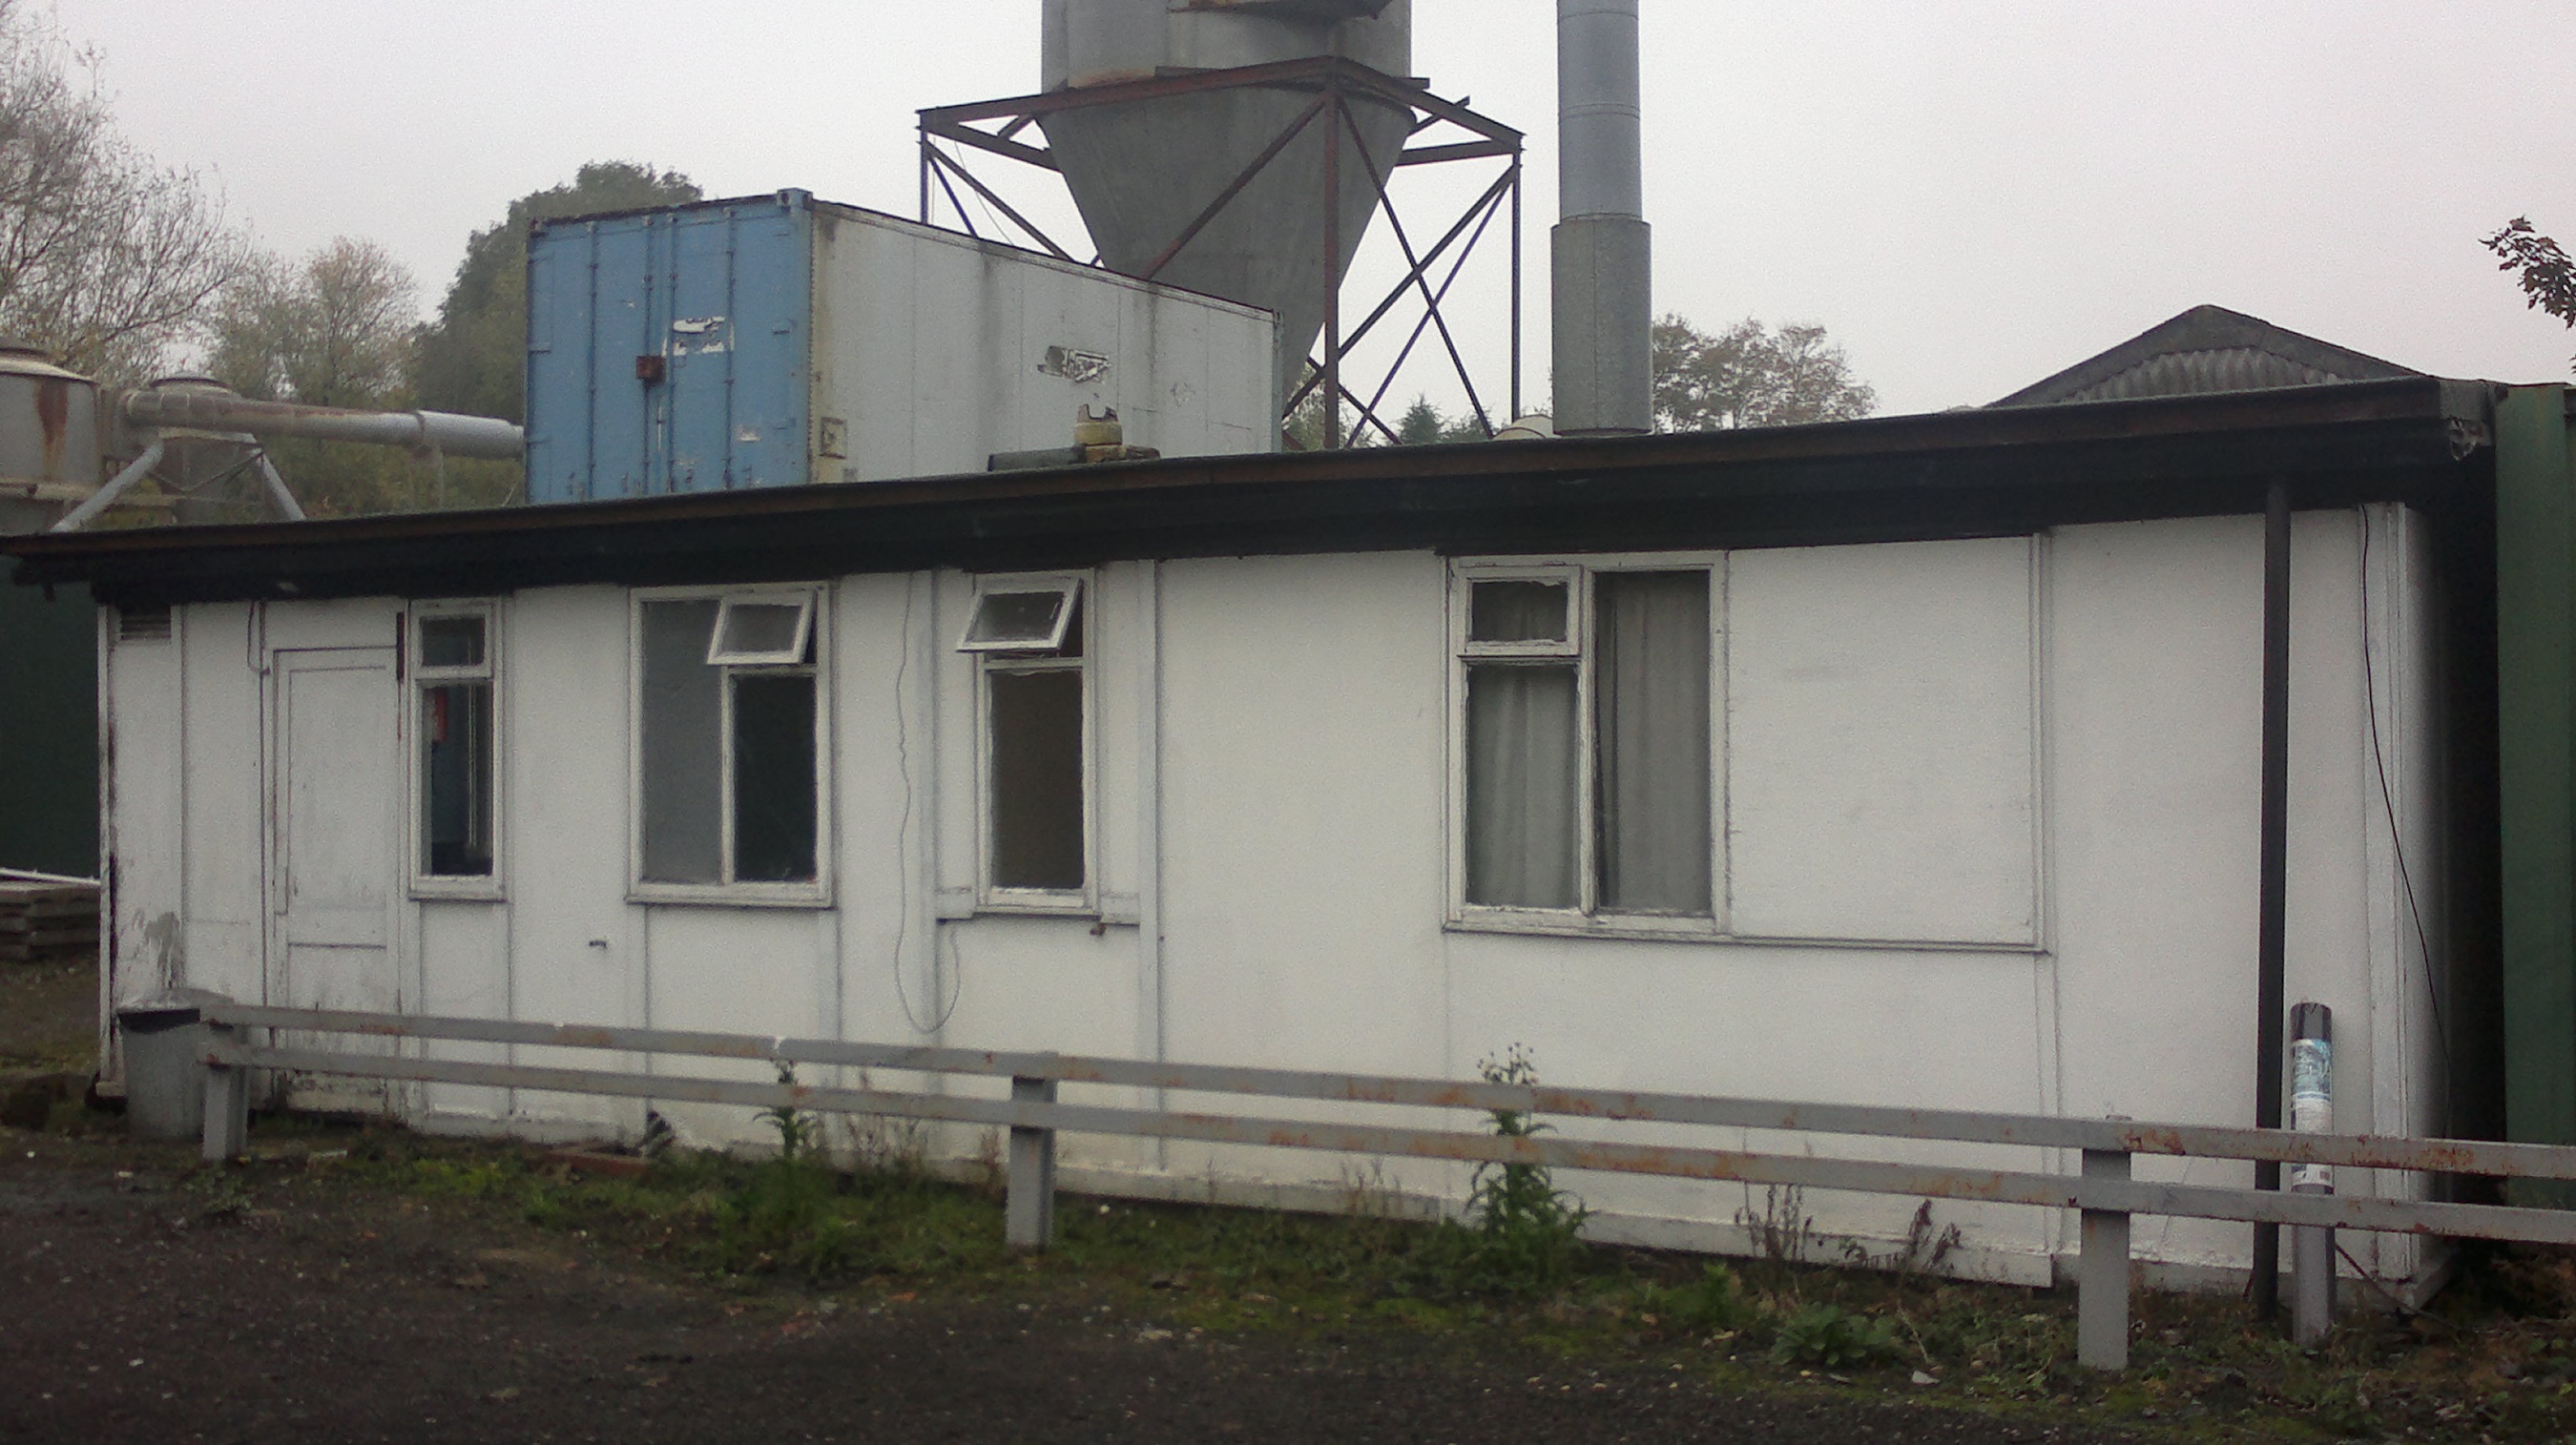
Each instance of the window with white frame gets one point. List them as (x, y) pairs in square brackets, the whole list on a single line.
[(1585, 740), (728, 718), (1027, 637), (452, 684)]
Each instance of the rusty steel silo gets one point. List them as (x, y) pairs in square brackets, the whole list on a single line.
[(1143, 170)]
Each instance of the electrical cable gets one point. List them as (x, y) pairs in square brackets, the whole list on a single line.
[(903, 855), (2396, 840)]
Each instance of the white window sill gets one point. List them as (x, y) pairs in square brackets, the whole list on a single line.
[(1577, 925), (1650, 929), (731, 895), (457, 890), (1114, 910)]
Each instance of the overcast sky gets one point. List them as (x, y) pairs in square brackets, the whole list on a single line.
[(1968, 195)]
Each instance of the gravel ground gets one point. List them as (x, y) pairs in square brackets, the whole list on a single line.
[(146, 1304)]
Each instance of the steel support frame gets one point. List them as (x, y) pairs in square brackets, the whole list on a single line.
[(1335, 83)]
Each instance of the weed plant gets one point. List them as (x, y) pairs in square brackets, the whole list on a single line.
[(1834, 1337), (1525, 1234)]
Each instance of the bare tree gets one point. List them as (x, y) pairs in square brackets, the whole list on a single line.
[(1749, 375), (105, 258)]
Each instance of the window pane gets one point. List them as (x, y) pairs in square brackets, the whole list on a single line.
[(773, 777), (1521, 786), (456, 779), (1037, 778), (1024, 619), (1650, 724), (683, 760), (451, 642), (761, 628), (1516, 612)]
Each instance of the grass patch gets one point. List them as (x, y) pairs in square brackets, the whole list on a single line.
[(2495, 1358)]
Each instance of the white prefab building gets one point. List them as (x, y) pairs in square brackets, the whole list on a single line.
[(1910, 761)]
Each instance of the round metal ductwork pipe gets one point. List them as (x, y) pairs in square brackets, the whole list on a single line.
[(214, 409), (1603, 253)]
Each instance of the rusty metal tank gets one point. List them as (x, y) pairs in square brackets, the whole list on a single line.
[(1142, 170), (49, 438)]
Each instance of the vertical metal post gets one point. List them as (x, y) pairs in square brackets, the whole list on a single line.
[(2312, 1247), (227, 1123), (1333, 263), (2273, 917), (2102, 1273), (1029, 1211), (1517, 412)]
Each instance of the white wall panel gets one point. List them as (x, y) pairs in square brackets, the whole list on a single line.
[(1303, 785), (225, 911), (144, 934), (576, 954), (1879, 742)]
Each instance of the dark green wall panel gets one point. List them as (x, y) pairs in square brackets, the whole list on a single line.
[(48, 730), (2536, 758)]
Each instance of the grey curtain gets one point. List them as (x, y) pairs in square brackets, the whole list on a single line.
[(1521, 785), (1650, 722)]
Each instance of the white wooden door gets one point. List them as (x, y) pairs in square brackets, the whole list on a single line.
[(334, 847)]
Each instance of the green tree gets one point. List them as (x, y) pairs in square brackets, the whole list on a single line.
[(1423, 425), (334, 329), (1750, 375), (2546, 274), (472, 357), (1304, 428)]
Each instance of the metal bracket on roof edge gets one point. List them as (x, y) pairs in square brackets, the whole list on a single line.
[(2468, 415)]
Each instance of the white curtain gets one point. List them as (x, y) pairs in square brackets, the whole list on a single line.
[(1650, 724), (683, 745), (1521, 785)]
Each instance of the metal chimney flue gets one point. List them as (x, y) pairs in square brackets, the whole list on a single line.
[(1603, 252)]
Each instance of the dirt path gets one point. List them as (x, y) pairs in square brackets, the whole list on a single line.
[(141, 1307)]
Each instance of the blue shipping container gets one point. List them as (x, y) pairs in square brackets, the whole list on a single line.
[(670, 350)]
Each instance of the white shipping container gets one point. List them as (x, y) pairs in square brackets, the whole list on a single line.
[(781, 340)]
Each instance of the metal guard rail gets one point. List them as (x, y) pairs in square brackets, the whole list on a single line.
[(2103, 1192)]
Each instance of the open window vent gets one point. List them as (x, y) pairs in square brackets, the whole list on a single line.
[(143, 624)]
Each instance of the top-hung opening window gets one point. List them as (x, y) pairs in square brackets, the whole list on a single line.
[(729, 756), (1027, 634)]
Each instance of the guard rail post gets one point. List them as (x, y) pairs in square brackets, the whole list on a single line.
[(2102, 1273), (1029, 1213), (227, 1125)]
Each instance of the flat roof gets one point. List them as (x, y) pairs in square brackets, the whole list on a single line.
[(1972, 472)]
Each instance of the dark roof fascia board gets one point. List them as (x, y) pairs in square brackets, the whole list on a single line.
[(1944, 474)]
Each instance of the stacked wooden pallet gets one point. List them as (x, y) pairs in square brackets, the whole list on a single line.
[(47, 920)]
